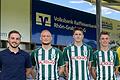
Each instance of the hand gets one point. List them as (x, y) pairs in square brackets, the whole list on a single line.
[(116, 72)]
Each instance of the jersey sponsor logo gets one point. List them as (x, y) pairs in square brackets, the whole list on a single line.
[(79, 57), (46, 62), (43, 19), (107, 63)]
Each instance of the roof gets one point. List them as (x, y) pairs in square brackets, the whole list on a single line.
[(110, 8)]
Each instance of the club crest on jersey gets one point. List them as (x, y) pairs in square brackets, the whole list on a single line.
[(85, 52), (39, 54), (53, 56), (73, 51), (111, 58), (100, 56)]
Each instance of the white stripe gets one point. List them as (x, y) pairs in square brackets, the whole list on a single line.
[(46, 66), (86, 68), (40, 66), (79, 64), (73, 62), (106, 67), (52, 66), (112, 68)]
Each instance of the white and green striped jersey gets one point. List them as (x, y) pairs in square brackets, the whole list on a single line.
[(105, 63), (78, 58), (47, 63)]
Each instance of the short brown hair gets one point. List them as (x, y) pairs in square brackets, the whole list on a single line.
[(78, 28), (104, 33), (13, 31)]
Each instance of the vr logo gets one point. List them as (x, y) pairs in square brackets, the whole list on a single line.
[(43, 19)]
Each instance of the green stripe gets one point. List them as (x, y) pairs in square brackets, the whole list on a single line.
[(36, 56), (70, 64), (55, 66), (82, 63), (109, 70), (89, 59), (98, 63), (114, 54), (49, 72), (76, 63), (49, 66), (103, 59), (43, 66)]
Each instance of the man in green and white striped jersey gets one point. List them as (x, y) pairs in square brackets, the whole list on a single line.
[(78, 57), (105, 61), (47, 59)]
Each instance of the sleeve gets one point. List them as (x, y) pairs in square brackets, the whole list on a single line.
[(94, 63), (28, 63), (61, 59), (33, 58), (116, 60), (91, 54), (65, 56)]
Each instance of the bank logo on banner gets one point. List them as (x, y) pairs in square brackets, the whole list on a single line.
[(43, 19)]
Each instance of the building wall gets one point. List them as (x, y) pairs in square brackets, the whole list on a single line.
[(15, 15)]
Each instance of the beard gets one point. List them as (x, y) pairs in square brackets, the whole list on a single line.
[(45, 43), (14, 45)]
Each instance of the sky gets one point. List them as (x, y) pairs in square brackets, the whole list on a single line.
[(87, 7)]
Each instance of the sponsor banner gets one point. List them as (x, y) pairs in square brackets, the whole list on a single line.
[(61, 21)]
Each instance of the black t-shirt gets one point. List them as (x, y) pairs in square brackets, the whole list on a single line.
[(13, 66)]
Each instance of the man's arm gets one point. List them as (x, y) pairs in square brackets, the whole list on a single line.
[(90, 67), (28, 71), (66, 70), (33, 73), (116, 71), (33, 64), (116, 64), (61, 70), (65, 57), (28, 64), (93, 66), (94, 73)]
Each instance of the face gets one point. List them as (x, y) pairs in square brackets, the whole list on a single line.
[(46, 37), (14, 40), (104, 40), (78, 36)]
